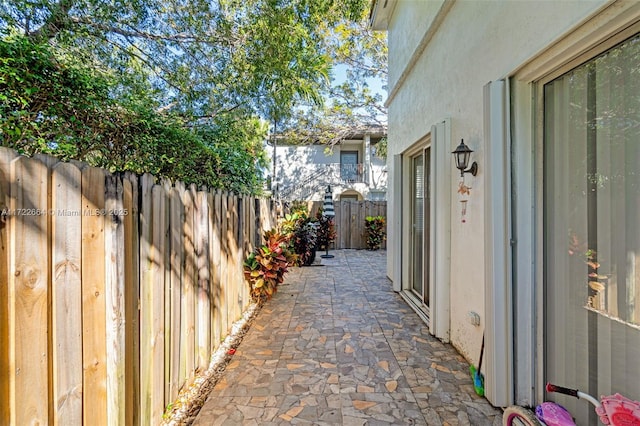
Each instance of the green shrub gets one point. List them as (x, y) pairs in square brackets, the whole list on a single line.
[(375, 231), (326, 231), (53, 105), (303, 234), (266, 267)]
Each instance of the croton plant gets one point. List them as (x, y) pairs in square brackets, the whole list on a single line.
[(264, 269)]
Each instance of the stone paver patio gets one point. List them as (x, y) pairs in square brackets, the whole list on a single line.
[(337, 346)]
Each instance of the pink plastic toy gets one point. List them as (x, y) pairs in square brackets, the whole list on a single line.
[(553, 414), (618, 410)]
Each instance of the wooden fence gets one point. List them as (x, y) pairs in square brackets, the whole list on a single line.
[(350, 220), (114, 289)]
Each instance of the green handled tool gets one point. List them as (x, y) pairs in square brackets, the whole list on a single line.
[(476, 376)]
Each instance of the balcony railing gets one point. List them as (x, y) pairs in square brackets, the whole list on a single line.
[(351, 172)]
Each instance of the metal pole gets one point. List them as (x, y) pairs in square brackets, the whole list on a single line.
[(274, 188), (329, 214)]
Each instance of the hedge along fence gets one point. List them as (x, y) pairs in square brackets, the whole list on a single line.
[(114, 289), (350, 221)]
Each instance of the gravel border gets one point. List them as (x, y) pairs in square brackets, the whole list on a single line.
[(185, 409)]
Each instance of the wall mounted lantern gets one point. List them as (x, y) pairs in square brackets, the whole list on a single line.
[(462, 155)]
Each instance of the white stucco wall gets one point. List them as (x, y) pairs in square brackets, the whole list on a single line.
[(296, 164), (477, 42), (415, 20)]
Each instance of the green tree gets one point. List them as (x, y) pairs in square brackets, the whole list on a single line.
[(71, 111), (361, 54), (169, 87), (203, 57)]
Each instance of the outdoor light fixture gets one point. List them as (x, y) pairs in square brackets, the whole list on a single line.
[(462, 155)]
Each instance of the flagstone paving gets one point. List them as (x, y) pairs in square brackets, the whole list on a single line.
[(336, 345)]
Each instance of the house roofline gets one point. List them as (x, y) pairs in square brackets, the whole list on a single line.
[(380, 14), (375, 132)]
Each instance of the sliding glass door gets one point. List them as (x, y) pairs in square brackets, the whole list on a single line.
[(420, 223), (592, 227)]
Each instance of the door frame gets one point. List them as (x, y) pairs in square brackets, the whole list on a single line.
[(409, 294), (439, 140)]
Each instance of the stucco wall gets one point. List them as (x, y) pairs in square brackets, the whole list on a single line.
[(295, 164), (477, 42), (415, 21)]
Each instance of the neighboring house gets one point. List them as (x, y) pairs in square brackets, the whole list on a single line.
[(351, 167), (544, 242)]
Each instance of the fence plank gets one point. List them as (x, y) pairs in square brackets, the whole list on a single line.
[(216, 265), (48, 160), (265, 217), (233, 258), (210, 217), (146, 185), (256, 233), (345, 224), (131, 298), (188, 296), (248, 243), (236, 214), (224, 250), (157, 303), (242, 252), (152, 301), (6, 356), (251, 237), (28, 292), (94, 351), (203, 290), (362, 214), (176, 231), (114, 292), (262, 223), (353, 223), (66, 294), (165, 194)]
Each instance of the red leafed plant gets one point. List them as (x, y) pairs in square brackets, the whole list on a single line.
[(265, 268)]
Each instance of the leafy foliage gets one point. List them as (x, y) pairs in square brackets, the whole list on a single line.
[(375, 231), (30, 79), (202, 57), (360, 54), (303, 233), (71, 111), (305, 240), (178, 89), (326, 230), (266, 267)]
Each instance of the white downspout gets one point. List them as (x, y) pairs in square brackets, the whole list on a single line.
[(498, 327), (367, 159)]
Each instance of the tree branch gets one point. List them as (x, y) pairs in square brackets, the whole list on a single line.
[(132, 32), (58, 21)]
